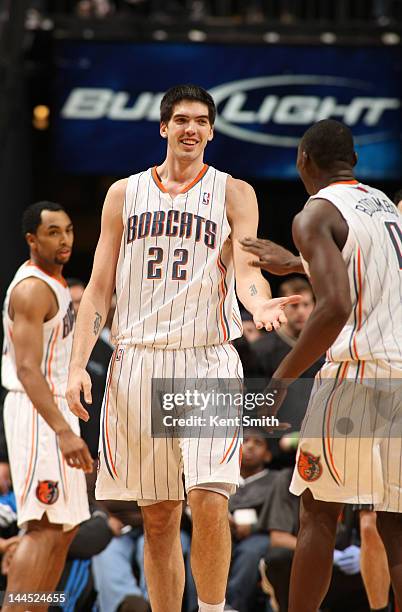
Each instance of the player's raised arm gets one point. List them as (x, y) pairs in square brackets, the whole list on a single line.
[(319, 232), (96, 299), (252, 288), (31, 301)]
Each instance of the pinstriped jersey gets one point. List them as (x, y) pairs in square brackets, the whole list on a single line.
[(57, 335), (373, 256), (175, 277)]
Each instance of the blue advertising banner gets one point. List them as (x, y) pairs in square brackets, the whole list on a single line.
[(107, 97)]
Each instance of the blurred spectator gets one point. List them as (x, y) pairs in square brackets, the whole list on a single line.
[(398, 200), (113, 569), (250, 540), (77, 288), (251, 366), (94, 8), (281, 519), (273, 347), (97, 368)]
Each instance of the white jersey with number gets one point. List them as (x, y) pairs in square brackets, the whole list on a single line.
[(57, 335), (373, 256), (175, 276)]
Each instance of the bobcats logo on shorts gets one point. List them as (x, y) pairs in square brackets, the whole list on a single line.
[(309, 466), (47, 491)]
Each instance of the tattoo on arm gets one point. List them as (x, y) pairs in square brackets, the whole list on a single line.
[(97, 323), (253, 290)]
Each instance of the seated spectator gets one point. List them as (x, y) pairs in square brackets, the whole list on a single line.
[(250, 540), (281, 519), (273, 347), (252, 369), (113, 569)]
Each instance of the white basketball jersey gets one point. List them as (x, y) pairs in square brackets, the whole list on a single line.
[(57, 335), (373, 256), (175, 277)]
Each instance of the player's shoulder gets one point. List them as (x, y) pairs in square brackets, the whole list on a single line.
[(31, 295), (237, 188), (118, 188)]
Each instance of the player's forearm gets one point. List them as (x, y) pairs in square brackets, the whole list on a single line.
[(39, 393), (90, 322), (252, 289)]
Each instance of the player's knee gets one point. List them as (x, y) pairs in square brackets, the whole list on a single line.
[(320, 515), (207, 505), (368, 529), (161, 520)]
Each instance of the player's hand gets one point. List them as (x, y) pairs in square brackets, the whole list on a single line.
[(79, 380), (10, 546), (75, 451), (275, 394), (271, 256), (242, 531), (270, 314)]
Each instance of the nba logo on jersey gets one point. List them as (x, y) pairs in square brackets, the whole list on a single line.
[(206, 196), (119, 354)]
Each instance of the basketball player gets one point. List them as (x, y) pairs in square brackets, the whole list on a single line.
[(169, 243), (350, 239), (47, 457)]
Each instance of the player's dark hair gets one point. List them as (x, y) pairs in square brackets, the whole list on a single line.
[(74, 282), (293, 286), (193, 93), (398, 197), (31, 218), (328, 142)]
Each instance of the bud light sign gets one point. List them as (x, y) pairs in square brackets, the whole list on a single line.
[(108, 95)]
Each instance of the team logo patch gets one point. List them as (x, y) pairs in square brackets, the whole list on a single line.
[(47, 491), (206, 197), (119, 354), (309, 466)]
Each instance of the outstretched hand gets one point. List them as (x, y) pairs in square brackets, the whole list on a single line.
[(271, 256), (270, 313)]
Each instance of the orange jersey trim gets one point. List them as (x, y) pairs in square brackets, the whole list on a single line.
[(351, 182), (328, 438), (62, 281), (107, 412), (161, 186)]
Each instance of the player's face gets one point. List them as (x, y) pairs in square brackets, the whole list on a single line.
[(298, 314), (53, 240), (255, 451), (188, 131)]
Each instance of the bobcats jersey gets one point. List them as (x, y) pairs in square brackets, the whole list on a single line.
[(175, 275), (57, 335), (373, 256)]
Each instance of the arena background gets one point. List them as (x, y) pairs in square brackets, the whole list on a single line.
[(80, 84)]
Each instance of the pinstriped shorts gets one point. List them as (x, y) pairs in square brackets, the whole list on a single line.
[(42, 481), (133, 465), (350, 448)]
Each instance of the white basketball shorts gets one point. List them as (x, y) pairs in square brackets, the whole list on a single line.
[(42, 480), (134, 465)]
